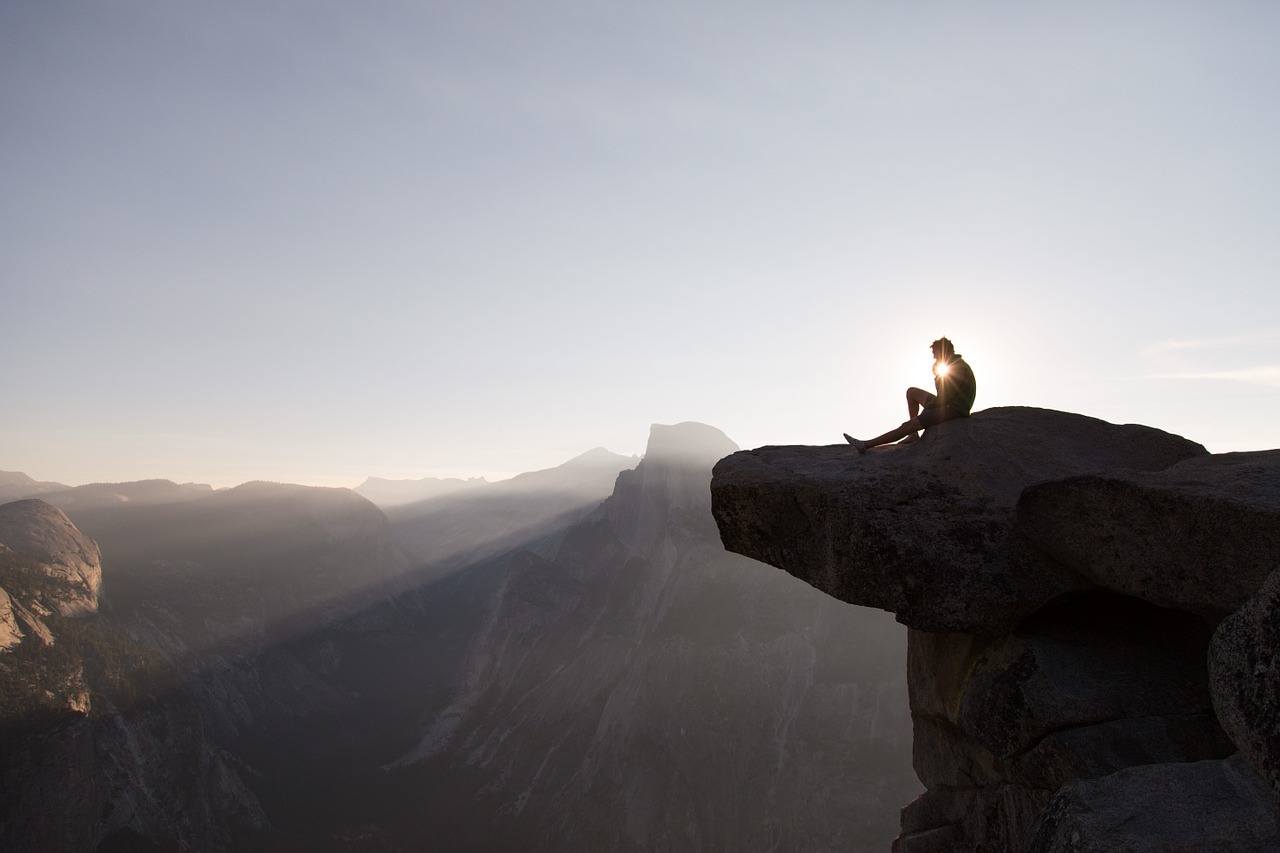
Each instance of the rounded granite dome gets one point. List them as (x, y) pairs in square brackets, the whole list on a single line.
[(41, 534)]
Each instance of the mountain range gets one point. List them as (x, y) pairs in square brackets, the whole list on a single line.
[(388, 493), (568, 660), (15, 485)]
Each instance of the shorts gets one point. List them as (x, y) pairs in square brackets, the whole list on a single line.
[(935, 413)]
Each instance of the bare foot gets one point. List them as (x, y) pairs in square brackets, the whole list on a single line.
[(860, 446)]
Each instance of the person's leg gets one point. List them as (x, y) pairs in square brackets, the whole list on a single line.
[(907, 428), (916, 399)]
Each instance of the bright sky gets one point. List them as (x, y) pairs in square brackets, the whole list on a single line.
[(314, 242)]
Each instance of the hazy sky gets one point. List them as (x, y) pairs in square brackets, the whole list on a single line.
[(311, 242)]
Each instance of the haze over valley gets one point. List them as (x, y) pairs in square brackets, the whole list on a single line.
[(582, 426), (566, 660)]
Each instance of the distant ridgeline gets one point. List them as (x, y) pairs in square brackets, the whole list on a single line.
[(1094, 633)]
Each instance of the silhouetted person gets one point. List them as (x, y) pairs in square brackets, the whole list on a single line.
[(956, 387)]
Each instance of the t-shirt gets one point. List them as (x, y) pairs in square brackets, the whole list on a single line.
[(958, 387)]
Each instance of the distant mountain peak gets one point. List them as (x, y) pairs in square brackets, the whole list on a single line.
[(385, 481), (387, 492), (16, 484), (598, 456), (688, 441)]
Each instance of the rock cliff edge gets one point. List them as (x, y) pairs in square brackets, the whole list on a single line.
[(1063, 578)]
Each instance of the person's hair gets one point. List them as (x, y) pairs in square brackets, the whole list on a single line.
[(946, 346)]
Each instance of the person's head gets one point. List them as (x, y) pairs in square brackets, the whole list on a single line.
[(943, 350)]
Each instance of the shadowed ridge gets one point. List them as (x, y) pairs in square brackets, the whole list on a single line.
[(138, 492), (587, 473), (389, 492), (258, 490), (448, 531)]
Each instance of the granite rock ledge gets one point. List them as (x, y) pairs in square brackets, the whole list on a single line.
[(1062, 578), (927, 530)]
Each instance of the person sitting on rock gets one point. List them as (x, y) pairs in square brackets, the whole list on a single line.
[(956, 386)]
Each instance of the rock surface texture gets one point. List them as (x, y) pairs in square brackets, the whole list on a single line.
[(929, 527), (1244, 665), (1201, 535), (50, 574), (1200, 807), (10, 632), (63, 566), (1062, 578)]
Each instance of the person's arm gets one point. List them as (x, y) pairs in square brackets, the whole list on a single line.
[(964, 386), (940, 386)]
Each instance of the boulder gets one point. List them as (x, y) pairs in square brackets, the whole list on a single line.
[(1244, 671), (944, 756), (1091, 751), (971, 820), (1200, 536), (926, 530), (1198, 807), (1088, 670), (62, 568), (1087, 686)]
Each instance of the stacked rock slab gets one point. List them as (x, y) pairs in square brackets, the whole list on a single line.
[(1197, 807), (1047, 650), (1209, 529), (1199, 536)]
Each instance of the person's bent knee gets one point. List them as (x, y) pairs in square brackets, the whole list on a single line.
[(919, 397)]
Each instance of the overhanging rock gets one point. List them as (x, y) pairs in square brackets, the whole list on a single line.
[(1199, 536), (927, 530)]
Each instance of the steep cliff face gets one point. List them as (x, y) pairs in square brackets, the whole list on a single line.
[(635, 687), (1062, 577)]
